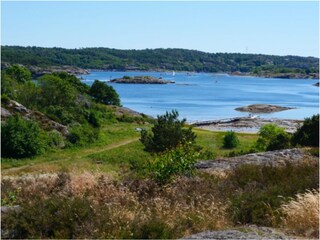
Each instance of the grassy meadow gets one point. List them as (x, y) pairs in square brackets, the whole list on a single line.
[(118, 145)]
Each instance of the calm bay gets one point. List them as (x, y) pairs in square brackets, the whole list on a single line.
[(207, 96)]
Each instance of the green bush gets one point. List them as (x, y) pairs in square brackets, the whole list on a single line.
[(55, 139), (280, 141), (21, 138), (230, 140), (19, 73), (5, 98), (173, 162), (167, 133), (308, 133), (82, 134), (272, 137)]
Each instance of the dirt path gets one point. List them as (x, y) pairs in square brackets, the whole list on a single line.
[(82, 153)]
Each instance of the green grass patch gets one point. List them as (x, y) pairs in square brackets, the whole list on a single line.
[(213, 141)]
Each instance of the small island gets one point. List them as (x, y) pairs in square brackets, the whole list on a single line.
[(141, 80), (262, 108)]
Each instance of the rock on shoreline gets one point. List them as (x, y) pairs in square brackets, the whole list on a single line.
[(262, 108), (140, 80), (247, 125)]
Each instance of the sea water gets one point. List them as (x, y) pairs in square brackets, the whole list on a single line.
[(207, 96)]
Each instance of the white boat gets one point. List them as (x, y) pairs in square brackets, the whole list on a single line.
[(173, 73)]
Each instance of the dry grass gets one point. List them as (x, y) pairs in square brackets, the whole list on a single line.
[(301, 215), (128, 209)]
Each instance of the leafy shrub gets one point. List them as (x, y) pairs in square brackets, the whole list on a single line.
[(280, 141), (55, 139), (272, 137), (255, 191), (18, 73), (104, 94), (74, 81), (20, 138), (207, 154), (301, 215), (167, 133), (82, 134), (308, 133), (180, 160), (230, 140), (5, 98)]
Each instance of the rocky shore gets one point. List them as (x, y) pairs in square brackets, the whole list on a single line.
[(272, 158), (140, 80), (247, 124), (262, 108)]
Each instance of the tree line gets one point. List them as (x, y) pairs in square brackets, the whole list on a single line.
[(158, 59)]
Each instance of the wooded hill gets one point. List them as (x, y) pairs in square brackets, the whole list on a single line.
[(159, 59)]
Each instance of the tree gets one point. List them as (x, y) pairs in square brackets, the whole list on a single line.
[(19, 73), (104, 94), (308, 133), (20, 138), (167, 133), (56, 92), (230, 140)]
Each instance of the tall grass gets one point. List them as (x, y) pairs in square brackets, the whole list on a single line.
[(94, 206), (301, 215)]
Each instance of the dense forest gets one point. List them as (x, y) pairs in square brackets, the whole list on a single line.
[(159, 59)]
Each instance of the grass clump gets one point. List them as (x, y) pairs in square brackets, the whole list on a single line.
[(255, 190), (301, 214)]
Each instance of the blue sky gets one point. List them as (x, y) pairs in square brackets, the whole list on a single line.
[(279, 28)]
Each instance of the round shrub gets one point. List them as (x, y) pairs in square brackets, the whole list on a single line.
[(230, 140), (20, 138)]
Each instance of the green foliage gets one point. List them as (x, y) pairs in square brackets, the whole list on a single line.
[(28, 94), (308, 133), (104, 94), (73, 81), (272, 137), (8, 85), (55, 139), (167, 133), (20, 138), (180, 160), (82, 134), (4, 98), (256, 190), (230, 140), (18, 73), (280, 141), (56, 92), (189, 60)]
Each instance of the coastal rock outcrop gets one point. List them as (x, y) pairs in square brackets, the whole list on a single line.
[(262, 108), (13, 108), (270, 158), (246, 232), (141, 80)]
